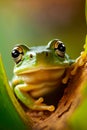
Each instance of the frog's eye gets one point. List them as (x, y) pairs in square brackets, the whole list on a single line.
[(60, 48), (17, 54)]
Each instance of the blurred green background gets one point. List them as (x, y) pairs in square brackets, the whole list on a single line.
[(37, 22)]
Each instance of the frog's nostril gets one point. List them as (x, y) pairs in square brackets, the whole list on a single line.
[(31, 56), (46, 53)]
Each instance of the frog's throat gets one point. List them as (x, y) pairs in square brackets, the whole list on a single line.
[(37, 69), (42, 80)]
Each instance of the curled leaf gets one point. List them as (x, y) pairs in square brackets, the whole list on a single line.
[(12, 116)]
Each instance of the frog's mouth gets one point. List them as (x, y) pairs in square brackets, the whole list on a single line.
[(41, 74), (38, 69)]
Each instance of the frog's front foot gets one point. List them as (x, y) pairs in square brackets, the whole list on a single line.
[(30, 102), (38, 105), (42, 107), (80, 61)]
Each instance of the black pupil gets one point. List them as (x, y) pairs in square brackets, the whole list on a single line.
[(15, 53), (61, 47)]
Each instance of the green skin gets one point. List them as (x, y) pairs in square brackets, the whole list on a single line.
[(40, 71)]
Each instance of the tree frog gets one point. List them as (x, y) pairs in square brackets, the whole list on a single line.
[(38, 71)]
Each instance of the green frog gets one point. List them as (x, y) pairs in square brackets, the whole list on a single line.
[(38, 71)]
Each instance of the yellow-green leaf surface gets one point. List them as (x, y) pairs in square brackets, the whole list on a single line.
[(78, 121), (85, 46), (86, 11), (12, 116)]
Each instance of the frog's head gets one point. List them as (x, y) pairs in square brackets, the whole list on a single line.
[(41, 57)]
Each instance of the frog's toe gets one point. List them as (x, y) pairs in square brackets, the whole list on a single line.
[(43, 107), (39, 101), (51, 108)]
